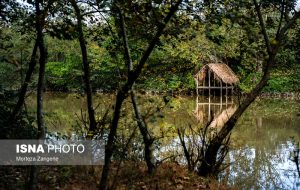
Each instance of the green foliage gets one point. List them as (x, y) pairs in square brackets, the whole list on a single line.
[(105, 69), (21, 127), (64, 75), (153, 83), (14, 53), (284, 80), (279, 84), (225, 31), (174, 83), (8, 76), (249, 82)]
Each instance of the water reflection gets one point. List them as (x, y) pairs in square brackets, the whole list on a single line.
[(218, 109), (260, 143), (261, 168), (261, 147)]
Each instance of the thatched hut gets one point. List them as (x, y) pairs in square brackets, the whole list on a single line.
[(216, 76)]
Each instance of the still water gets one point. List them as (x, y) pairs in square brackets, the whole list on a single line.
[(261, 143)]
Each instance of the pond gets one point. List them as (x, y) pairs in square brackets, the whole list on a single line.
[(261, 143)]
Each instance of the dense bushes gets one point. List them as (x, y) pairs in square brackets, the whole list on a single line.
[(21, 127), (171, 66)]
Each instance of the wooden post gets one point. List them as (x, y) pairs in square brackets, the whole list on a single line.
[(197, 85), (231, 94), (208, 82), (221, 88), (197, 106), (203, 85), (214, 84), (214, 79), (221, 101), (226, 89), (209, 108)]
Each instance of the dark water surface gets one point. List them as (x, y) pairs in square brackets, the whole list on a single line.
[(261, 143)]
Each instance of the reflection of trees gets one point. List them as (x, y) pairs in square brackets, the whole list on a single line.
[(260, 152), (259, 155), (258, 168), (194, 139), (259, 142), (262, 161), (295, 153)]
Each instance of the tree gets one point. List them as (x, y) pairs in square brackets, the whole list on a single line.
[(86, 69), (148, 140), (123, 93), (43, 54), (31, 65), (272, 45)]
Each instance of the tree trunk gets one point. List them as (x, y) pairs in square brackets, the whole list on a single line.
[(123, 93), (32, 184), (41, 79), (86, 68), (207, 166), (23, 90), (148, 140), (110, 142), (210, 157), (40, 88), (187, 154)]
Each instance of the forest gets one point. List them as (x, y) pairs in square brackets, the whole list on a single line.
[(124, 72)]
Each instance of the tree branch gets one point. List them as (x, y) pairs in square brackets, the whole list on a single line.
[(281, 18), (123, 93), (125, 41), (289, 24), (263, 27), (154, 41)]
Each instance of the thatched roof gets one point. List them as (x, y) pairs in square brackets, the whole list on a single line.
[(221, 71)]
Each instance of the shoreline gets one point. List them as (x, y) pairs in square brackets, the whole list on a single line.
[(189, 93)]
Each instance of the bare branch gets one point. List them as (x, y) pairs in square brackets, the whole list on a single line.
[(282, 12), (289, 24), (123, 93), (125, 41), (154, 41), (263, 27)]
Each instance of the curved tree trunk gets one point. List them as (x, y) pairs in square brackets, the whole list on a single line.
[(210, 156), (40, 88), (123, 93), (41, 79), (23, 90), (86, 68), (148, 140)]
